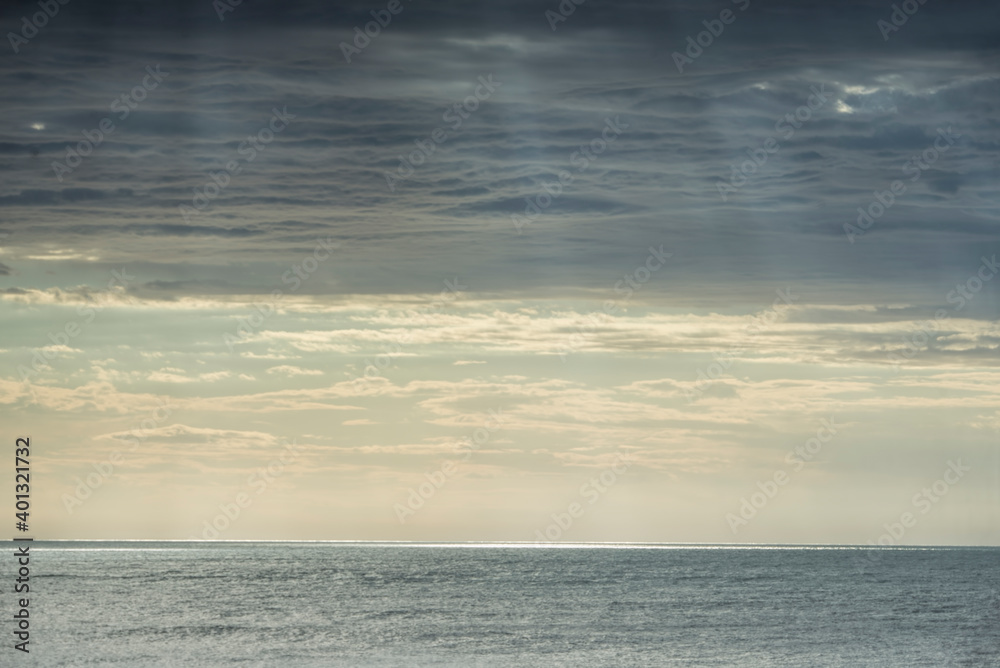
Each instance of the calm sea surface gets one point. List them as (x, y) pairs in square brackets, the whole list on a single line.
[(370, 604)]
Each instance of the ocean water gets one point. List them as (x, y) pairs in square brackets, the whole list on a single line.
[(365, 604)]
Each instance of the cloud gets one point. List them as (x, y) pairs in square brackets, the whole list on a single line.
[(169, 375), (686, 133), (575, 381), (287, 370)]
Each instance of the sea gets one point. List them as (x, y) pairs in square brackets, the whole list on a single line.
[(290, 604)]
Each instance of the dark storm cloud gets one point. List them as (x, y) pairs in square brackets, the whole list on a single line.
[(881, 104), (43, 197)]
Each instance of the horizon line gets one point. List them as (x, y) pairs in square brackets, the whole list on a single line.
[(511, 543)]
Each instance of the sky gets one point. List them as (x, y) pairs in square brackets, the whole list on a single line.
[(597, 271)]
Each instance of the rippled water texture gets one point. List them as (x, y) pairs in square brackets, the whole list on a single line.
[(350, 604)]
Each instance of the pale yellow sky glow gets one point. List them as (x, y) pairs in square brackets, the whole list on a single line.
[(496, 414)]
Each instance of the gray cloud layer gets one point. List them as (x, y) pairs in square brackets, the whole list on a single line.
[(658, 183)]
